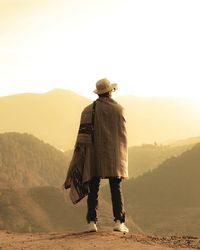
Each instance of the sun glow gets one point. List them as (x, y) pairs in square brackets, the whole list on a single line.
[(151, 48)]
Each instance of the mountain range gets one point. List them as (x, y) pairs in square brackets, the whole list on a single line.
[(162, 200), (54, 117), (31, 195)]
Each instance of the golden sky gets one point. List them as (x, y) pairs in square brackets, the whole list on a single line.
[(149, 47)]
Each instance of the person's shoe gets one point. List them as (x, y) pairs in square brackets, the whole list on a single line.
[(120, 227), (92, 227)]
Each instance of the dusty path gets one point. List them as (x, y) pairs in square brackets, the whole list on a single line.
[(88, 241)]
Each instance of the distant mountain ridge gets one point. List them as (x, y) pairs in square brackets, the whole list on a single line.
[(160, 119), (54, 117), (188, 141)]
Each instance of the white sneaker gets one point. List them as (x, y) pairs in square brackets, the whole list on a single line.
[(120, 227), (92, 227)]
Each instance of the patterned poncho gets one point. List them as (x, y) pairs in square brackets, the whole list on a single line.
[(100, 149)]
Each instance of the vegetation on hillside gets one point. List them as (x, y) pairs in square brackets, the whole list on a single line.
[(149, 156), (166, 200), (173, 183), (26, 161)]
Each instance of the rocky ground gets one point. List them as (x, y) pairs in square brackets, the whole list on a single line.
[(100, 240)]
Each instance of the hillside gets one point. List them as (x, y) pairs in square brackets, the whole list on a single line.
[(26, 161), (48, 209), (166, 200), (32, 173), (37, 209), (35, 163), (54, 117), (147, 157), (177, 179)]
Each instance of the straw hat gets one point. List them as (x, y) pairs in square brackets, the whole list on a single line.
[(104, 85)]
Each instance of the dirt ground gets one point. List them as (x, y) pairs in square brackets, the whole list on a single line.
[(99, 240)]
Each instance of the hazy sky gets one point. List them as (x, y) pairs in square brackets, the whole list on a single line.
[(149, 47)]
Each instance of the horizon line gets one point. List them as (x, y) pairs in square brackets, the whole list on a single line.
[(89, 96)]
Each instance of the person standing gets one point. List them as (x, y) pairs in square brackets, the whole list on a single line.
[(102, 147)]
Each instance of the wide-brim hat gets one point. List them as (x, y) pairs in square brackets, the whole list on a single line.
[(104, 85)]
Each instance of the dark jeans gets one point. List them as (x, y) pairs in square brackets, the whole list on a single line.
[(116, 196)]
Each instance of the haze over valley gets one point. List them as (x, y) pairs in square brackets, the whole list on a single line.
[(54, 117)]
